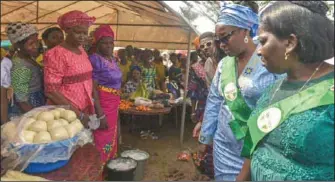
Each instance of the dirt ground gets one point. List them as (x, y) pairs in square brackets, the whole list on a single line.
[(163, 164)]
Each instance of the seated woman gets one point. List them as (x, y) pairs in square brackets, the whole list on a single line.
[(133, 82), (27, 75)]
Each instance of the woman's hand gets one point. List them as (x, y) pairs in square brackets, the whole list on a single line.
[(196, 130), (85, 120), (245, 173), (202, 149), (103, 124), (194, 117)]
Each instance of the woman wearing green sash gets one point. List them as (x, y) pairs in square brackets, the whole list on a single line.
[(291, 131), (239, 81)]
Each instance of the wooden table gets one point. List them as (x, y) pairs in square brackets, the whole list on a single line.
[(153, 112), (84, 165)]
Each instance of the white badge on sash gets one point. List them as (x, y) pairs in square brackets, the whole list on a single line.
[(269, 119), (332, 88), (230, 91)]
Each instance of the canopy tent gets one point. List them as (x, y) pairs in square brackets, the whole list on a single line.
[(143, 24)]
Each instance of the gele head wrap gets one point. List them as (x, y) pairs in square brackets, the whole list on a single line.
[(238, 16), (74, 18)]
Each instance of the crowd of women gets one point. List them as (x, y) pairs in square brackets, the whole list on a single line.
[(79, 69), (262, 93)]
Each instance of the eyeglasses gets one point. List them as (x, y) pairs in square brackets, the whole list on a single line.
[(226, 38), (208, 44)]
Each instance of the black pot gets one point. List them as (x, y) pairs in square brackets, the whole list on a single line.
[(112, 174)]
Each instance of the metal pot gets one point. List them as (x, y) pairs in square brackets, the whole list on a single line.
[(120, 169), (141, 158)]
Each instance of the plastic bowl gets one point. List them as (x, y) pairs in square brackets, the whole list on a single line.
[(51, 157)]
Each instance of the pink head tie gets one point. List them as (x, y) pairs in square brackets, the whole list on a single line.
[(74, 18)]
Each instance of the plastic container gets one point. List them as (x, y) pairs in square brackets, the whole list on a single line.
[(40, 163), (141, 158), (36, 168), (120, 169)]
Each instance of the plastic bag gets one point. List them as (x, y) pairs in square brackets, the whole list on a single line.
[(18, 153), (140, 101)]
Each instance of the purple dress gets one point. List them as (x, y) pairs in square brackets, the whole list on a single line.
[(105, 72)]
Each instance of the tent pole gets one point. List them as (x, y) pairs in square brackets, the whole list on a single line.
[(182, 128), (37, 10)]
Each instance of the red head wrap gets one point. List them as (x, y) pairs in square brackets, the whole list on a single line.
[(74, 18), (103, 31)]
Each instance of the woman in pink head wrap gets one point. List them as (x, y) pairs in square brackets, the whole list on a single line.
[(68, 71), (107, 78)]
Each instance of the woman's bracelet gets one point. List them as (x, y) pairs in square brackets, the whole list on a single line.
[(102, 117), (81, 116)]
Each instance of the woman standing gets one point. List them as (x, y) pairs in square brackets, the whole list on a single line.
[(197, 88), (52, 37), (68, 71), (291, 131), (174, 70), (124, 64), (27, 75), (238, 83), (148, 70), (107, 78)]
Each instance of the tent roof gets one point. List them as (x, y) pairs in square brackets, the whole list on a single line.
[(143, 24)]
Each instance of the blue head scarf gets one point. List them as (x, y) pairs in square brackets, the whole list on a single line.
[(238, 16), (135, 67)]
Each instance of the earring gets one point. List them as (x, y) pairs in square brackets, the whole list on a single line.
[(286, 55), (246, 40)]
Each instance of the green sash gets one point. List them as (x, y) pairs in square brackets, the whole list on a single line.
[(234, 98), (264, 121)]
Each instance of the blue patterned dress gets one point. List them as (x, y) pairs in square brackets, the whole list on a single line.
[(215, 129)]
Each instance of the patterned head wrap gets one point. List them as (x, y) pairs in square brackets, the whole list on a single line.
[(19, 31), (103, 31), (74, 18), (238, 16)]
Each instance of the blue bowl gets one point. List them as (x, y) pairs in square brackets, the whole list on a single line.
[(51, 157), (36, 168)]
